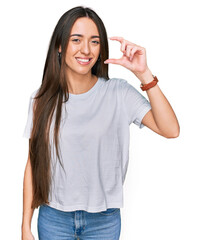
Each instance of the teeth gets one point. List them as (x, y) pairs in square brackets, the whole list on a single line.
[(83, 60)]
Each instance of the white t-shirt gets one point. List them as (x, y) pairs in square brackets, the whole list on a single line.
[(94, 145)]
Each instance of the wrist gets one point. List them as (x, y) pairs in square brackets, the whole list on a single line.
[(26, 227), (145, 77)]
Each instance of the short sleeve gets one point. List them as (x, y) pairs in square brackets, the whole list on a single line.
[(135, 104), (29, 122)]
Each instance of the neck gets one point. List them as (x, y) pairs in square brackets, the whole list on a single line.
[(80, 83)]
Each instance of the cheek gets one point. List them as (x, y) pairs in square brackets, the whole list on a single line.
[(70, 55), (71, 50), (97, 51)]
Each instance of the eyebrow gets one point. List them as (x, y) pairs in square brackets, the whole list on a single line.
[(80, 35)]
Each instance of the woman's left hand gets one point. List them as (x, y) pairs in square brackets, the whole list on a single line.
[(134, 57)]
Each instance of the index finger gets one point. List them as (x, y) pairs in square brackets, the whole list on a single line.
[(122, 42), (120, 39)]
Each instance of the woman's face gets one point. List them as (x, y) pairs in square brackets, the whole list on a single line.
[(84, 46)]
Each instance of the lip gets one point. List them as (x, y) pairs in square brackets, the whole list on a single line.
[(83, 63)]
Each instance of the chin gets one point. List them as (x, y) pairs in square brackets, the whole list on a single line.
[(81, 70), (84, 72)]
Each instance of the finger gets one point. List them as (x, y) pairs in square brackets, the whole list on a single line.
[(120, 39), (132, 53), (112, 60), (138, 49), (123, 46), (128, 50), (124, 43)]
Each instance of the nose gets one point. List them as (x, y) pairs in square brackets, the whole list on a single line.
[(85, 48)]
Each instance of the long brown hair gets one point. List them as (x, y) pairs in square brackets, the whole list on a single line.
[(50, 95)]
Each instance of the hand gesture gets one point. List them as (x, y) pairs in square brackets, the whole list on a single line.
[(134, 56)]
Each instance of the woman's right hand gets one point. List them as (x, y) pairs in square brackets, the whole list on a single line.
[(27, 235)]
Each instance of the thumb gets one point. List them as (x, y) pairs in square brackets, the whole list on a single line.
[(112, 60)]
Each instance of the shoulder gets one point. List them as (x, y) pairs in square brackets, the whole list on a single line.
[(114, 85), (116, 82), (123, 85), (33, 94), (31, 98)]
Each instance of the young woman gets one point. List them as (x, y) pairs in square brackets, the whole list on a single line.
[(78, 130)]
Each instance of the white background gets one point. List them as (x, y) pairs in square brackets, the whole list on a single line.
[(162, 198)]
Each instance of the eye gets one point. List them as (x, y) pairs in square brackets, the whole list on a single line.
[(96, 42), (75, 40)]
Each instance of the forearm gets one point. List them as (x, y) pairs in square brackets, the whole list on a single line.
[(163, 113), (27, 198)]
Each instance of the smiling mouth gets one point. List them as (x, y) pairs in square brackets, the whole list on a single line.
[(84, 61)]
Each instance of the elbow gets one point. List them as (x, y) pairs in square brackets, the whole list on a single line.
[(174, 134)]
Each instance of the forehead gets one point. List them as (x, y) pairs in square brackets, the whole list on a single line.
[(84, 26)]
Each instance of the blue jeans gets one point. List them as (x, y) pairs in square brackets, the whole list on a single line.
[(54, 224)]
